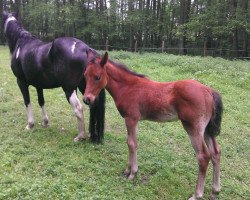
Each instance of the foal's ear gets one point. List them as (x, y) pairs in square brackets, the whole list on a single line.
[(104, 59)]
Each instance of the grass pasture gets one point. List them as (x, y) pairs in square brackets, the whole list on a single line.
[(47, 164)]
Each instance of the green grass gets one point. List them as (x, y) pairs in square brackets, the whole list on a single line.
[(47, 164)]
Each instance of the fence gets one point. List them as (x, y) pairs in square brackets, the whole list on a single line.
[(225, 53)]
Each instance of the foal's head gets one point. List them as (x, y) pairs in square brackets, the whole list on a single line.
[(96, 77)]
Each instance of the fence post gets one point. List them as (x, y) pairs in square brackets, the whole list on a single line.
[(162, 46), (136, 45), (107, 44)]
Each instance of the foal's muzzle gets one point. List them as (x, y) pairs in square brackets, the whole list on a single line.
[(88, 99)]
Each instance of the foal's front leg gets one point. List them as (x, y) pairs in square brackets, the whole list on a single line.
[(132, 168)]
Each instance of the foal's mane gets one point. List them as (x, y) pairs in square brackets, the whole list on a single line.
[(126, 69)]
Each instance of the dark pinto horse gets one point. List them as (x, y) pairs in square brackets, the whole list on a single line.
[(197, 106), (60, 63)]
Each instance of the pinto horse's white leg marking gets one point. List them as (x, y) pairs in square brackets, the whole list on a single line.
[(7, 21), (17, 53), (77, 107), (45, 117), (30, 117), (73, 47)]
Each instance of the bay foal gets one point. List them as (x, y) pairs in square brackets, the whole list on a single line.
[(197, 106)]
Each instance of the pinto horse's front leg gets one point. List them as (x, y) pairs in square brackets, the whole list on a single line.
[(41, 103), (77, 107), (26, 96), (132, 168)]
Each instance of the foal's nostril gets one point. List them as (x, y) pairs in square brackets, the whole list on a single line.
[(86, 100)]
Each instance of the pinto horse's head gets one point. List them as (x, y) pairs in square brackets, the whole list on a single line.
[(6, 17), (96, 77)]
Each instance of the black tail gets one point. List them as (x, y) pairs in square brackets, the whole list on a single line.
[(97, 119), (214, 125)]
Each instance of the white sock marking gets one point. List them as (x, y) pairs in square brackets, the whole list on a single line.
[(30, 116), (45, 116), (7, 21), (76, 104), (77, 107)]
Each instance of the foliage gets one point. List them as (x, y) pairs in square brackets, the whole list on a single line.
[(132, 24), (47, 164)]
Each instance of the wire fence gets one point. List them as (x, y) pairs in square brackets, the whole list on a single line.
[(214, 52)]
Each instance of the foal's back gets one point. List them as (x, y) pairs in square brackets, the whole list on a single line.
[(169, 101)]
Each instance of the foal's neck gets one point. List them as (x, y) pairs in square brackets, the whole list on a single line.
[(119, 79)]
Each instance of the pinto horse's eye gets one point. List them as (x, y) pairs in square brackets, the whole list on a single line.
[(97, 78)]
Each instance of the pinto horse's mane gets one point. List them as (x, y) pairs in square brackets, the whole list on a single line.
[(17, 31), (126, 69)]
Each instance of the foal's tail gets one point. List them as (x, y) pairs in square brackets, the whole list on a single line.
[(214, 125), (97, 118)]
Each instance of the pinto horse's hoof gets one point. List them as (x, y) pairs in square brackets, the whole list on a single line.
[(79, 138), (29, 126), (45, 123)]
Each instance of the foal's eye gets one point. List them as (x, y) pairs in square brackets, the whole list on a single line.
[(97, 78)]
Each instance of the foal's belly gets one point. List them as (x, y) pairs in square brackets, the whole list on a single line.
[(160, 115)]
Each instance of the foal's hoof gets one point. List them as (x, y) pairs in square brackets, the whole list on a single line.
[(126, 172), (129, 175), (194, 197), (213, 196)]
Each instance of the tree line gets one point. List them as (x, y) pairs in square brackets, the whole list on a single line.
[(207, 27)]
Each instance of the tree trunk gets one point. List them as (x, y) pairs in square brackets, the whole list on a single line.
[(245, 34), (233, 7), (184, 16)]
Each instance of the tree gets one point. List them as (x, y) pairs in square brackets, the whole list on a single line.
[(184, 17)]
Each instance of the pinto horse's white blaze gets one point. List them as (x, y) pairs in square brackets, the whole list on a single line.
[(77, 107), (7, 22), (18, 52), (73, 47), (30, 117)]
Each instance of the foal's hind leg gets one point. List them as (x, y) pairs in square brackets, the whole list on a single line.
[(132, 168), (215, 152), (77, 107), (26, 96), (41, 103), (196, 134)]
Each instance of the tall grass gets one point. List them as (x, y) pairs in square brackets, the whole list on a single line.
[(47, 164)]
